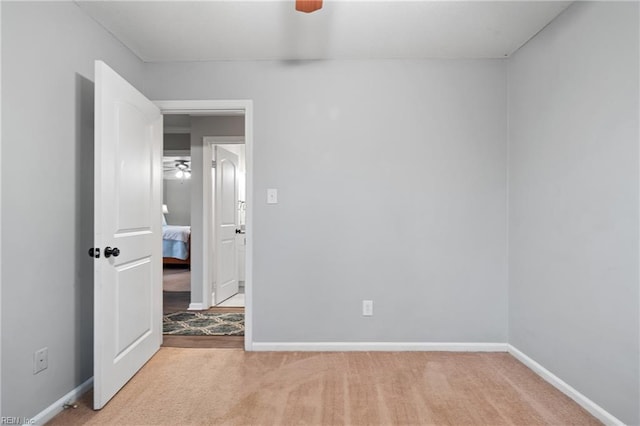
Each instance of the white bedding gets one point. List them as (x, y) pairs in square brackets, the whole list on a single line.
[(176, 233)]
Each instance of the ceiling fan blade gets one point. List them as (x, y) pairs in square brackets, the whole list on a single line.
[(308, 6)]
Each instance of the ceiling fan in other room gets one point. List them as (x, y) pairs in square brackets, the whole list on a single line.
[(178, 169), (308, 6)]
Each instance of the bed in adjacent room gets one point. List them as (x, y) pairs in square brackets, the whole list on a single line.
[(176, 245)]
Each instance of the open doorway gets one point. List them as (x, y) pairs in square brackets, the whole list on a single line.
[(191, 140), (201, 281)]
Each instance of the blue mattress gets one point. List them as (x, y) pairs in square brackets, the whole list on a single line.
[(174, 248)]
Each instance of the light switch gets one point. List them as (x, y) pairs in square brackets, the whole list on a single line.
[(272, 196), (367, 308)]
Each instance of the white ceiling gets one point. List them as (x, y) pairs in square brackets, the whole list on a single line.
[(181, 30)]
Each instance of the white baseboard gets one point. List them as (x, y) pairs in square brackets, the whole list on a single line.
[(593, 408), (378, 346), (196, 307), (57, 407)]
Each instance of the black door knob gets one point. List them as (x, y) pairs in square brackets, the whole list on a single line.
[(94, 252), (108, 251)]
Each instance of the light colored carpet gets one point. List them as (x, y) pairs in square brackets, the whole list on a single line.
[(232, 387), (174, 279)]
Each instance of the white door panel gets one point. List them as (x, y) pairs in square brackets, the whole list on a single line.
[(128, 190), (132, 180), (133, 283)]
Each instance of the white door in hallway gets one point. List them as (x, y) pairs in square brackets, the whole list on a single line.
[(225, 224), (128, 232)]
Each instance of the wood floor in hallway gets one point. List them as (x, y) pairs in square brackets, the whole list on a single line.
[(233, 387), (176, 298)]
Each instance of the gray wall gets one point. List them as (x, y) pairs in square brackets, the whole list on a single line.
[(48, 51), (179, 142), (573, 210), (392, 187), (177, 197), (225, 125)]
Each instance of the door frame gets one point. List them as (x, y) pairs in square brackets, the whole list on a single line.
[(219, 107)]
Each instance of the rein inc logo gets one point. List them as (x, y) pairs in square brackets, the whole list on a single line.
[(16, 421)]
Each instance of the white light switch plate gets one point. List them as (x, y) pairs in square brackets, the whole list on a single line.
[(272, 196), (367, 308)]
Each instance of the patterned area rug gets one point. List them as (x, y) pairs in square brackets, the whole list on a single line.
[(203, 324)]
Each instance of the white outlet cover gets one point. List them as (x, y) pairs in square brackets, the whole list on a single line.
[(40, 360)]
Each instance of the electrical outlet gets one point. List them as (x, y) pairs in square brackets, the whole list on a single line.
[(40, 360), (367, 308), (272, 196)]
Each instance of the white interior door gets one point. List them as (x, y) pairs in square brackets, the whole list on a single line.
[(225, 225), (128, 206)]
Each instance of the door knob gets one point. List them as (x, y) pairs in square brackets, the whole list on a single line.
[(239, 231), (108, 251), (94, 252)]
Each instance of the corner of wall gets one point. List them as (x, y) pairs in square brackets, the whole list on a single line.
[(638, 414), (549, 185), (508, 190), (1, 322)]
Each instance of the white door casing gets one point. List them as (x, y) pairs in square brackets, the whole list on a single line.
[(225, 224), (128, 194), (216, 107)]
